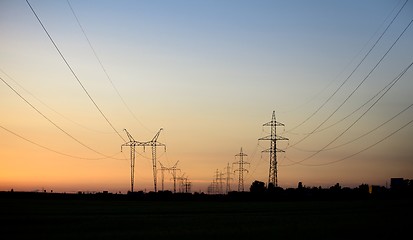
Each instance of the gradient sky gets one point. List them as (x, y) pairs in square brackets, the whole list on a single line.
[(209, 73)]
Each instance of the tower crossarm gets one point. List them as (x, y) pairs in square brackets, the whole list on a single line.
[(273, 138), (270, 150), (273, 123), (129, 136), (155, 138)]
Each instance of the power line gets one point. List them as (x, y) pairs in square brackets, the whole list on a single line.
[(342, 71), (363, 150), (388, 86), (53, 123), (47, 106), (104, 69), (73, 73), (365, 112), (374, 129), (358, 86), (363, 135), (345, 81), (52, 150), (385, 88), (251, 174)]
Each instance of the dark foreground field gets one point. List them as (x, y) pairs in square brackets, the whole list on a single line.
[(129, 219)]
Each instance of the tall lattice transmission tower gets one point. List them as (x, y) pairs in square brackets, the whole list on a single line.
[(132, 144), (241, 170), (273, 138), (153, 144)]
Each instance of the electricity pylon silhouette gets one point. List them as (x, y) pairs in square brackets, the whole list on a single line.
[(228, 179), (163, 168), (153, 144), (182, 180), (132, 144), (187, 185), (273, 138), (218, 180), (241, 170), (174, 169)]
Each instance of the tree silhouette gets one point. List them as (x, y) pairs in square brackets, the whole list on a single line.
[(258, 187)]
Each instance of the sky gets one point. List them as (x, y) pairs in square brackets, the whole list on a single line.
[(210, 74)]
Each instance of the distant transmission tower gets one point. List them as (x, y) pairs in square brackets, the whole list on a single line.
[(185, 184), (181, 180), (132, 144), (228, 179), (174, 169), (273, 138), (163, 168), (241, 170), (218, 181)]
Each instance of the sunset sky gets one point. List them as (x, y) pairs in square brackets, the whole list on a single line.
[(210, 73)]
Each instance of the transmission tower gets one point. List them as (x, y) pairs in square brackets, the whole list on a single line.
[(228, 179), (162, 174), (187, 185), (174, 169), (273, 138), (132, 144), (153, 144), (181, 180), (218, 181), (241, 170)]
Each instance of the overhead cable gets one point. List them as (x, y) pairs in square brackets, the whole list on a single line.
[(365, 112), (104, 69), (345, 81), (50, 121), (47, 106), (358, 86), (55, 151), (356, 153), (73, 73)]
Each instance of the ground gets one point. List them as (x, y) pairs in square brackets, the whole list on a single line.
[(132, 219)]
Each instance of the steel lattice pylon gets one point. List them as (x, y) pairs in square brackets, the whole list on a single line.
[(153, 143), (241, 170), (273, 138), (132, 144)]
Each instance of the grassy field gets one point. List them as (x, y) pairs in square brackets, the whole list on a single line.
[(126, 219)]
